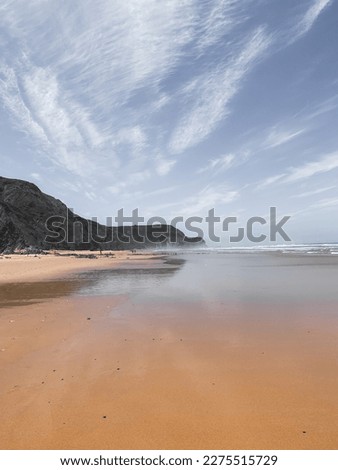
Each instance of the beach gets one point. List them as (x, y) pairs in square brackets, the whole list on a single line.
[(185, 352), (38, 267)]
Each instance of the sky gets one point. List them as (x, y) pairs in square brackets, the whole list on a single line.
[(175, 107)]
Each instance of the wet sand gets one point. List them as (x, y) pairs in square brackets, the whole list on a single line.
[(124, 372)]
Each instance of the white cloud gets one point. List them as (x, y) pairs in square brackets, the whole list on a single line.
[(196, 205), (108, 49), (130, 181), (324, 107), (160, 102), (324, 165), (161, 191), (61, 128), (310, 17), (314, 192), (211, 93), (10, 94), (271, 180), (208, 198), (94, 57), (36, 176), (135, 137), (43, 93), (223, 16), (217, 165), (90, 195), (279, 137), (144, 194), (294, 174), (164, 166), (326, 203)]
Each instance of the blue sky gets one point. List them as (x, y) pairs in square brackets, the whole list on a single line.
[(175, 107)]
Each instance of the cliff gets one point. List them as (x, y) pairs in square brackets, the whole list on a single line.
[(30, 219)]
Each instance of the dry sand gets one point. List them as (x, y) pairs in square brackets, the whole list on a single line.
[(21, 268), (103, 373)]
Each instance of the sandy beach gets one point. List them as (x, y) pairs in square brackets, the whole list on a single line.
[(23, 268), (121, 372)]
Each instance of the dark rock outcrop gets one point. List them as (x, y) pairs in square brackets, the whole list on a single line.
[(30, 219)]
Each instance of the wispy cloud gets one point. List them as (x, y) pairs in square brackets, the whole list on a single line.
[(134, 138), (62, 128), (310, 17), (11, 97), (36, 176), (130, 194), (197, 205), (323, 165), (326, 203), (160, 192), (129, 182), (105, 46), (294, 174), (224, 15), (208, 198), (314, 192), (277, 137), (271, 180), (323, 107), (94, 58), (164, 166), (218, 165), (211, 93)]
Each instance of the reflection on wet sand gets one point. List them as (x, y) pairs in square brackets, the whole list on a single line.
[(27, 293), (86, 283)]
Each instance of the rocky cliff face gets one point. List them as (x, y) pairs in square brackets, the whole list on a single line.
[(31, 219)]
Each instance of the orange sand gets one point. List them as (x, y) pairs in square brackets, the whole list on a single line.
[(134, 377)]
